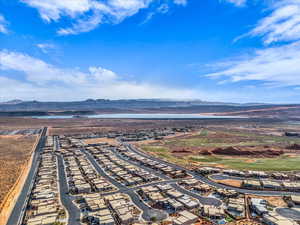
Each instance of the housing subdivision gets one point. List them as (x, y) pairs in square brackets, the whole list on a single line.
[(44, 205), (110, 181)]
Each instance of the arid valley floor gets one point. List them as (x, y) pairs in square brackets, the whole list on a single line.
[(142, 171)]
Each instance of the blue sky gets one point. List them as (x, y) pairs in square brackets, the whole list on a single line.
[(214, 50)]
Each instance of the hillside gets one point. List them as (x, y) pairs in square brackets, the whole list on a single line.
[(91, 106)]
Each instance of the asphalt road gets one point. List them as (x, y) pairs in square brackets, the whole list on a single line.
[(245, 191), (17, 214), (225, 177), (202, 200), (73, 211), (220, 176), (289, 213), (135, 188), (148, 212)]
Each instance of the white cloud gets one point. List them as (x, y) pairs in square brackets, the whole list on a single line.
[(36, 70), (54, 9), (282, 23), (82, 25), (3, 25), (45, 47), (162, 9), (40, 80), (237, 2), (180, 2), (102, 74), (46, 81), (276, 66), (86, 15), (115, 11), (274, 69)]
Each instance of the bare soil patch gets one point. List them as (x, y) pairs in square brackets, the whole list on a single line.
[(294, 147), (234, 151), (111, 141), (234, 183), (245, 222), (228, 142), (15, 151), (273, 200), (273, 112)]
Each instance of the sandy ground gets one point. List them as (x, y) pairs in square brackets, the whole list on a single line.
[(273, 200), (111, 141), (11, 197), (165, 138), (77, 130), (11, 136), (245, 222), (234, 183), (252, 110), (15, 151), (203, 222)]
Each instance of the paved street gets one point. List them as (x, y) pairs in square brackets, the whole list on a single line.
[(73, 211), (147, 211), (289, 213), (202, 200), (18, 211)]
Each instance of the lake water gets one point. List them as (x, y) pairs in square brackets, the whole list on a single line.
[(142, 116), (293, 122)]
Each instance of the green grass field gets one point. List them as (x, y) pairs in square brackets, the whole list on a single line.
[(206, 142), (283, 163), (205, 138), (156, 149), (164, 153)]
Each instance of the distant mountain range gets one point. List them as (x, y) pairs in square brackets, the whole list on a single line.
[(12, 102), (97, 104), (94, 106)]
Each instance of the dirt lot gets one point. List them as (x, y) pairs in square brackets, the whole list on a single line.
[(110, 141), (273, 200), (78, 125), (234, 183), (245, 222), (147, 142), (14, 154), (288, 111)]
